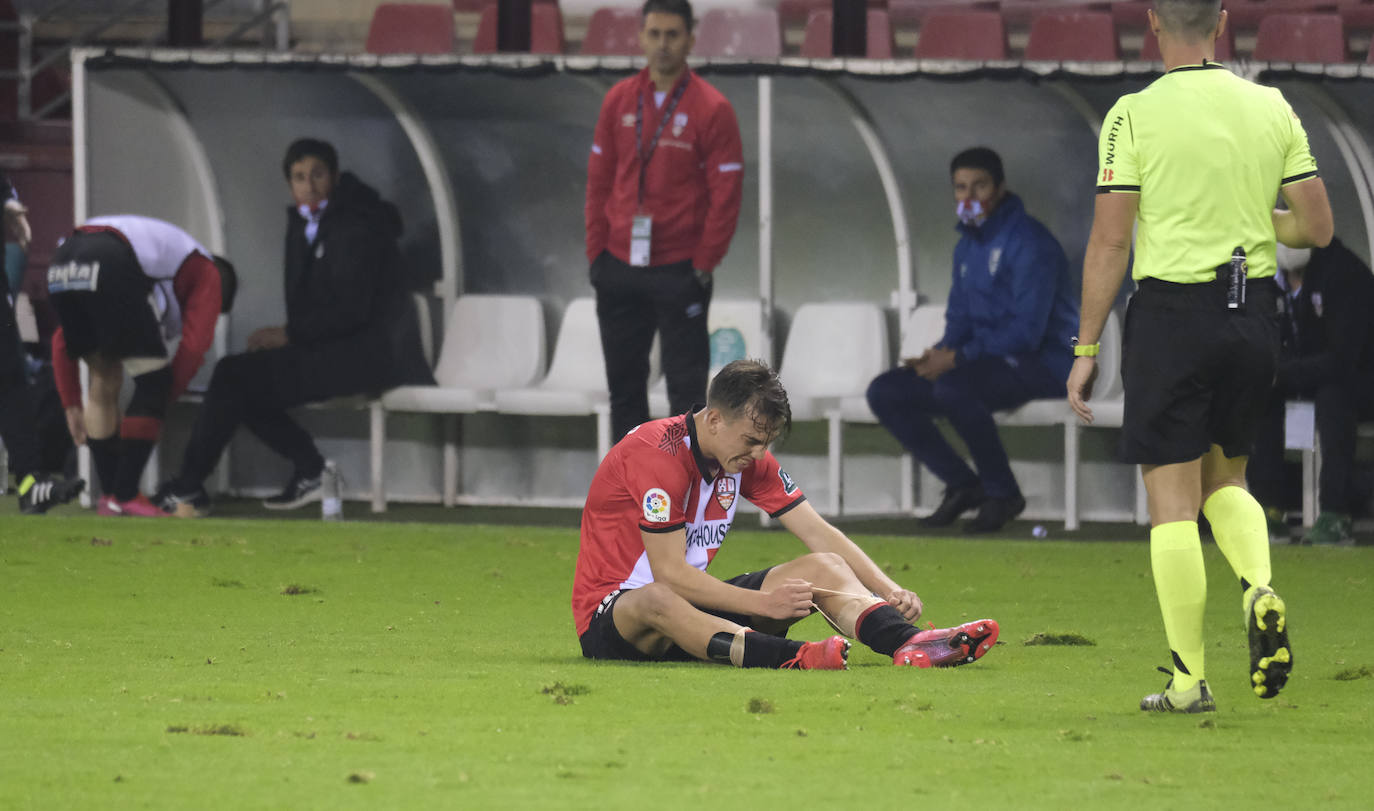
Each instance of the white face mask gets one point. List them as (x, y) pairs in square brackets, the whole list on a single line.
[(1293, 258), (970, 212)]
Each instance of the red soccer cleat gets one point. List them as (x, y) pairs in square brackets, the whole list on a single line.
[(138, 506), (828, 654), (948, 647)]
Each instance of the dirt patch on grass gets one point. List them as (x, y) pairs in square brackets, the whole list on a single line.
[(101, 542), (1354, 674), (1070, 638), (296, 588), (759, 706), (228, 730), (563, 693), (222, 583)]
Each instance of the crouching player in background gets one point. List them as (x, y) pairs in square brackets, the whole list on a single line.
[(657, 512), (137, 295)]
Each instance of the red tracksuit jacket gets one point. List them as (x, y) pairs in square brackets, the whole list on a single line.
[(694, 179)]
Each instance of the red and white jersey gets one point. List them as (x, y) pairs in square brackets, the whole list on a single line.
[(656, 480), (161, 249)]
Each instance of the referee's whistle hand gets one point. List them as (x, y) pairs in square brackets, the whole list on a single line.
[(1080, 387)]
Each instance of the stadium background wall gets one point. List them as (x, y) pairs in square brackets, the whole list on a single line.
[(486, 158)]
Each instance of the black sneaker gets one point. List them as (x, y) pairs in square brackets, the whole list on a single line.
[(38, 494), (957, 501), (995, 513), (174, 501), (300, 491)]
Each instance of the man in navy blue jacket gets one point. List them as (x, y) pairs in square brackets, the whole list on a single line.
[(1011, 313)]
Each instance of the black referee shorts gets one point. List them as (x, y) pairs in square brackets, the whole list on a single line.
[(1196, 375), (603, 641), (101, 296)]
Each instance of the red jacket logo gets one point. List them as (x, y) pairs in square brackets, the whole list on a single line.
[(725, 493)]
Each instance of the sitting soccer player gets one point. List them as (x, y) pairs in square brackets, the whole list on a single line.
[(136, 295), (658, 510)]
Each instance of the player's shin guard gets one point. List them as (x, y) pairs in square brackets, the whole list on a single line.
[(1181, 585), (1242, 534), (883, 628), (746, 648)]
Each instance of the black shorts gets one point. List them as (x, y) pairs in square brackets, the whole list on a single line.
[(1196, 375), (101, 296), (603, 641)]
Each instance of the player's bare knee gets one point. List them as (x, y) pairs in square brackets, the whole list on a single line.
[(825, 565), (655, 603)]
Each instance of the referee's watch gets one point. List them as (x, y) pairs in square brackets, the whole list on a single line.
[(1085, 350)]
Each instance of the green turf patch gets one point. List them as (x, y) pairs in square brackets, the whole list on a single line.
[(1058, 639), (1354, 673), (426, 680)]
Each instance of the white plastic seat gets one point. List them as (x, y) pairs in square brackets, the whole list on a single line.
[(833, 351), (576, 382), (923, 328), (490, 341), (737, 318)]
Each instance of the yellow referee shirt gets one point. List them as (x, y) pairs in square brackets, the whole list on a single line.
[(1207, 152)]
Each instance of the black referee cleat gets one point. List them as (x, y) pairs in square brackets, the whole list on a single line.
[(1271, 659)]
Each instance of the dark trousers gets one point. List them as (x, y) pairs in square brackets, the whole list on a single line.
[(17, 412), (1339, 408), (907, 405), (255, 389), (631, 304)]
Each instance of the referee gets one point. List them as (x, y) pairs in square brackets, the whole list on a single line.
[(1197, 160)]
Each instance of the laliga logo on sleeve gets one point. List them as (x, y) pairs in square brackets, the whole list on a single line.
[(656, 505)]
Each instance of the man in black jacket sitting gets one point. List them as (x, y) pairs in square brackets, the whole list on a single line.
[(350, 329)]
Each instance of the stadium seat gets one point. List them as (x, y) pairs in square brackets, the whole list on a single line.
[(833, 351), (576, 382), (491, 342), (976, 35), (1246, 15), (546, 29), (798, 12), (1226, 46), (736, 328), (1300, 38), (819, 42), (1063, 36), (912, 13), (739, 34), (924, 328), (613, 32), (418, 28)]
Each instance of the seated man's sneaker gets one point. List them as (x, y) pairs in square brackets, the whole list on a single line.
[(956, 502), (827, 654), (1330, 529), (1266, 624), (139, 506), (301, 490), (1199, 699), (38, 494), (948, 647), (995, 513), (195, 504)]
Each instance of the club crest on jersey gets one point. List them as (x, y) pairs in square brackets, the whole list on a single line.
[(994, 259), (627, 120), (788, 486), (679, 124), (656, 506), (725, 492)]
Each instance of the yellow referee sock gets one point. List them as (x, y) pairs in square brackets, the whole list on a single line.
[(1181, 585), (1242, 535)]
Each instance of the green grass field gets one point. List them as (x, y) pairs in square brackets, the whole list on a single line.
[(290, 664)]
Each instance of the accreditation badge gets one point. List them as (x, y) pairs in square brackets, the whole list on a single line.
[(641, 240)]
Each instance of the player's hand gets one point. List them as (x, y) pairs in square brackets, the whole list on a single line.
[(267, 338), (789, 600), (938, 361), (76, 424), (1080, 386), (907, 603), (17, 224)]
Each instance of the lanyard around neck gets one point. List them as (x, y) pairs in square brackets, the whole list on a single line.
[(646, 153)]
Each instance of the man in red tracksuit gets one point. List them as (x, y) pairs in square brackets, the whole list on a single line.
[(663, 195)]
